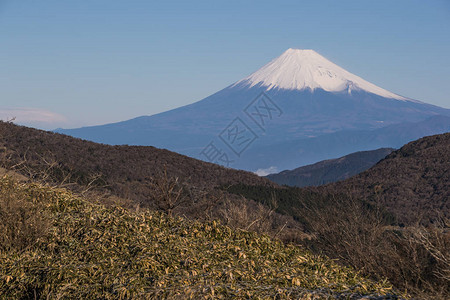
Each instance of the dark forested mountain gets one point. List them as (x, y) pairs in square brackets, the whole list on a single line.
[(331, 170), (127, 171), (390, 220), (412, 182)]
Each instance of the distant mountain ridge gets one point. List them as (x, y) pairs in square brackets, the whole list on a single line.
[(298, 96), (330, 170), (301, 152)]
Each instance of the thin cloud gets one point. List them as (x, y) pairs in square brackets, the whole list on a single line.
[(33, 116), (265, 172)]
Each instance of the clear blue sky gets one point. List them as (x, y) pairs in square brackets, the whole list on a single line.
[(98, 61)]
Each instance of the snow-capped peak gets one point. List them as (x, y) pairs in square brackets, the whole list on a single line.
[(298, 69)]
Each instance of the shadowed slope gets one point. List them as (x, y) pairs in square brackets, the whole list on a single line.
[(330, 170), (412, 182)]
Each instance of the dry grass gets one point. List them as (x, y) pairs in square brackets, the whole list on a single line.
[(91, 251), (414, 259), (23, 222)]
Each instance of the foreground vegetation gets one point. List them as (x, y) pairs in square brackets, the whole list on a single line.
[(56, 245), (413, 258), (391, 221)]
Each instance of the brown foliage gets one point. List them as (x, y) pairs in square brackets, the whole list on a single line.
[(126, 171), (240, 213), (412, 182), (22, 220), (415, 258), (145, 177)]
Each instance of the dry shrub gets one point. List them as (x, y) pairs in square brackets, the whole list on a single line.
[(435, 243), (249, 215), (93, 252), (256, 217), (22, 220), (415, 259), (169, 193)]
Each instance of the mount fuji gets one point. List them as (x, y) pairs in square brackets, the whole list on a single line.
[(298, 109)]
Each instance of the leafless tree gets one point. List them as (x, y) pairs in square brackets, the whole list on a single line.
[(169, 193)]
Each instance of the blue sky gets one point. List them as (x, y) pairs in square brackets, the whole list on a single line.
[(76, 63)]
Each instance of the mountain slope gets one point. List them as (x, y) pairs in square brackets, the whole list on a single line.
[(391, 220), (299, 95), (330, 170), (412, 182), (87, 251), (127, 171), (299, 69), (303, 151)]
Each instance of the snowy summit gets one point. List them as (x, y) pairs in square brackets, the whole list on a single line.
[(298, 69)]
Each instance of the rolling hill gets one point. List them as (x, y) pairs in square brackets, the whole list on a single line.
[(143, 177), (412, 182), (391, 220), (68, 247), (332, 170), (125, 170)]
